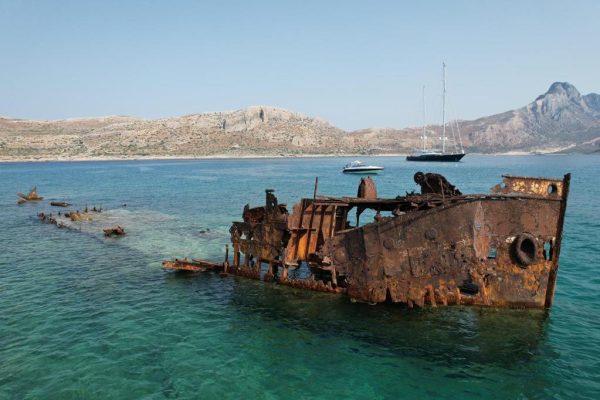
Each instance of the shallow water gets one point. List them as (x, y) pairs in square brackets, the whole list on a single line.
[(82, 316)]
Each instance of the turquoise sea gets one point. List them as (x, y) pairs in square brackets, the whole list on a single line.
[(86, 317)]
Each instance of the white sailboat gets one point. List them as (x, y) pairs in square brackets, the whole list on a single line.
[(428, 154)]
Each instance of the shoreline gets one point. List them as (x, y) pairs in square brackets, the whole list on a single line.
[(233, 157)]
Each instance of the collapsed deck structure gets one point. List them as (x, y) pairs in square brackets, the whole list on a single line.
[(436, 247)]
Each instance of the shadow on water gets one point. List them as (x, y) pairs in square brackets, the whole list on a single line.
[(449, 336)]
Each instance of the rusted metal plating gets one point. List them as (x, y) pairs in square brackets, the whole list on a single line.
[(437, 247), (31, 196)]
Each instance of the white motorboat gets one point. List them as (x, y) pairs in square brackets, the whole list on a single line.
[(358, 167)]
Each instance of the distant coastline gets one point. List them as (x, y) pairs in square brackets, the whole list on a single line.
[(190, 157), (4, 160), (561, 120)]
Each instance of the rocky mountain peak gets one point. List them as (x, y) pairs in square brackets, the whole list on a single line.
[(561, 99), (562, 89)]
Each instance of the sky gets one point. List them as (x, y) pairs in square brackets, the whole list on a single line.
[(357, 64)]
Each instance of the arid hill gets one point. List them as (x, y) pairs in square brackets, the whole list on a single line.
[(559, 120)]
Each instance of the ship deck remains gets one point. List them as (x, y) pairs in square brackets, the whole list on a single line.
[(435, 247)]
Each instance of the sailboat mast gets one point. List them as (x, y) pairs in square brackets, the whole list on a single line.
[(424, 137), (443, 107)]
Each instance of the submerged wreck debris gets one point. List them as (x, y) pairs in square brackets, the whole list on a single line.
[(54, 220), (47, 218), (436, 247), (76, 216), (114, 231), (193, 266), (76, 220), (93, 209), (31, 196), (60, 204)]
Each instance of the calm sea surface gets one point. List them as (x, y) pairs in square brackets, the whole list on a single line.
[(86, 317)]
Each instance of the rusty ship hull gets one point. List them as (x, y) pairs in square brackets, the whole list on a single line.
[(436, 247)]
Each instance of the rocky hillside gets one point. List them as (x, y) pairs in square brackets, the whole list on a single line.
[(560, 119), (252, 131)]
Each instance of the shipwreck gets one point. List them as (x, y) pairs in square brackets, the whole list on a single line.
[(32, 196), (436, 247)]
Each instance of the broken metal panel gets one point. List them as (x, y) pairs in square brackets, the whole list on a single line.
[(551, 188), (431, 256), (311, 222), (261, 240), (510, 279), (262, 234)]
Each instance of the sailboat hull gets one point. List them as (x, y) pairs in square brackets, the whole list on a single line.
[(436, 157)]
